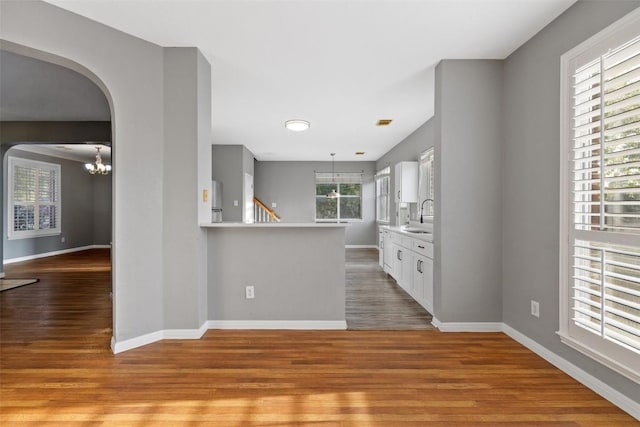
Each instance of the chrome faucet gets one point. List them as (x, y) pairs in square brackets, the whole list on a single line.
[(422, 207)]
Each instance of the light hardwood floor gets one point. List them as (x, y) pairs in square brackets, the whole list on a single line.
[(56, 369)]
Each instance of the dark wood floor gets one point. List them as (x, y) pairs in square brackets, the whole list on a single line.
[(56, 369), (374, 299)]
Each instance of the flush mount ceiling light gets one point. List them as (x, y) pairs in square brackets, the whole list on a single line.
[(384, 122), (297, 125), (98, 167)]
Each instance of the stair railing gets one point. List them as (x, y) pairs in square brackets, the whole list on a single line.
[(262, 213)]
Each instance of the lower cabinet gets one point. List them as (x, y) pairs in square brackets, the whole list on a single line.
[(422, 281), (409, 261)]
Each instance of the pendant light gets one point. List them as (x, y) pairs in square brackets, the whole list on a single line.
[(98, 167), (333, 194)]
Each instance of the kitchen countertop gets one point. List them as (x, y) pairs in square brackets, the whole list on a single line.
[(273, 225), (426, 237)]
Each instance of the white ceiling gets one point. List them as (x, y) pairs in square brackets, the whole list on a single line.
[(340, 64)]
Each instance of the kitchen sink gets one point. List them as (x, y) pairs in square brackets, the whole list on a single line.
[(416, 230)]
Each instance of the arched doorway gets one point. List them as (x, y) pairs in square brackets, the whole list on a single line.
[(47, 123)]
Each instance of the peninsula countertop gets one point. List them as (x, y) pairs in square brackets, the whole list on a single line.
[(273, 225)]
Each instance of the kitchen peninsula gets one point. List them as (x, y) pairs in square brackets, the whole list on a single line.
[(297, 271)]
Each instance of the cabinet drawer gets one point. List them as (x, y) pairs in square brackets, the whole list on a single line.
[(423, 248), (406, 241)]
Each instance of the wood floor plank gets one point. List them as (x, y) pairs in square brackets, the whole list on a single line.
[(374, 301), (56, 369)]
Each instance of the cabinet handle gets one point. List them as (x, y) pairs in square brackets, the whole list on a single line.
[(399, 255), (421, 247), (398, 194)]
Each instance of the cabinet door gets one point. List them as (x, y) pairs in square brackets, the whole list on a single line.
[(396, 271), (417, 287), (380, 249), (406, 274), (387, 251), (406, 182)]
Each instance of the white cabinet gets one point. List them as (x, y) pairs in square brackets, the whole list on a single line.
[(406, 182), (387, 251), (410, 262), (422, 283), (380, 249)]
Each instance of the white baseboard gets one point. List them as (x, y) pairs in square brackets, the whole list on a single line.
[(467, 326), (620, 400), (194, 334), (278, 324), (361, 246), (1, 275), (53, 253), (166, 334)]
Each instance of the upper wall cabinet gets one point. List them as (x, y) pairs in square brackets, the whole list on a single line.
[(406, 185)]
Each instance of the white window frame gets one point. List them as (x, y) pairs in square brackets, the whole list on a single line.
[(618, 358), (426, 184), (339, 178), (27, 234), (382, 175)]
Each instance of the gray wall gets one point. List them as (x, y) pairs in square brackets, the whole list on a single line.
[(409, 149), (229, 163), (184, 285), (291, 185), (467, 223), (531, 180), (86, 209), (311, 288)]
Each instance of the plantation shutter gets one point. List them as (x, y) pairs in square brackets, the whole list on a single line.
[(34, 198), (605, 236)]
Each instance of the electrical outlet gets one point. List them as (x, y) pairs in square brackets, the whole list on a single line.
[(249, 292), (274, 205), (535, 308), (235, 203), (62, 239)]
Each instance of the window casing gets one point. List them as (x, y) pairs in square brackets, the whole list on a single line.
[(33, 199), (348, 206), (600, 198), (426, 184), (383, 180)]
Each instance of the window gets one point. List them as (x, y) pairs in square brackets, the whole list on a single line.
[(382, 194), (426, 184), (34, 198), (346, 207), (600, 198)]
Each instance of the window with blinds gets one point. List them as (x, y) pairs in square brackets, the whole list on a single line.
[(348, 205), (600, 279), (34, 198), (383, 178)]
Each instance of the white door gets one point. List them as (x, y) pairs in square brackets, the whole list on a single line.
[(248, 199)]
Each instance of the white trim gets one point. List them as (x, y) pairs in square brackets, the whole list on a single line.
[(620, 400), (361, 246), (54, 253), (278, 324), (467, 326), (167, 334), (1, 275), (194, 334)]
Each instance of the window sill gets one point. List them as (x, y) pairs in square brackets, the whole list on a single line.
[(32, 235), (338, 220), (626, 371)]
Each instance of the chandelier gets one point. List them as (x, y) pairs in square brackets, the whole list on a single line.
[(98, 167)]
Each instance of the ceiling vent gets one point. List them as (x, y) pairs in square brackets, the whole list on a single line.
[(384, 122)]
